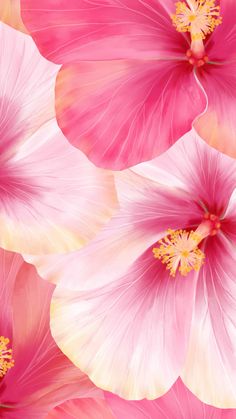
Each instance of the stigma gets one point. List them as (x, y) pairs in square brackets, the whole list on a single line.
[(179, 250), (6, 361), (199, 18)]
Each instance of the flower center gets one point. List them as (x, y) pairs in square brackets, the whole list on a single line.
[(179, 249), (6, 361), (199, 18)]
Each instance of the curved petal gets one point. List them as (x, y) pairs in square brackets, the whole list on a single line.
[(178, 403), (52, 199), (217, 126), (131, 335), (82, 409), (228, 224), (78, 30), (206, 174), (210, 369), (10, 14), (222, 43), (120, 113), (10, 263), (147, 210), (27, 84), (42, 376)]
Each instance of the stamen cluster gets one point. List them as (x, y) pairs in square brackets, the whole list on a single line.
[(179, 251), (199, 18), (6, 361)]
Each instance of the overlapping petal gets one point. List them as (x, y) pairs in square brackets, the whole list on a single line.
[(27, 84), (10, 14), (217, 125), (115, 129), (147, 210), (221, 45), (42, 376), (78, 30), (191, 165), (210, 369), (178, 403), (83, 409), (109, 49), (10, 263), (131, 335), (52, 199), (49, 190)]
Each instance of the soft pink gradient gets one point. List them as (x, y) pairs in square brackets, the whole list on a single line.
[(10, 14), (42, 377), (118, 314), (52, 199), (126, 91), (90, 408), (178, 403)]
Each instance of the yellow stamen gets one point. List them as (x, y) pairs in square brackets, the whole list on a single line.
[(6, 361), (179, 251), (199, 17)]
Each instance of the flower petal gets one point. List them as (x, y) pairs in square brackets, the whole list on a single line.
[(147, 210), (131, 335), (221, 45), (178, 403), (27, 84), (217, 126), (206, 174), (120, 113), (42, 376), (52, 199), (82, 409), (10, 263), (102, 30), (210, 371), (228, 225), (10, 14)]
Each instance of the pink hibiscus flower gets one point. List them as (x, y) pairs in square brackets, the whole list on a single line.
[(52, 199), (178, 403), (137, 73), (41, 377), (153, 296)]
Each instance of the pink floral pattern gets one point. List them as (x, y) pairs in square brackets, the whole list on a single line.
[(118, 313), (127, 90), (48, 190), (117, 209)]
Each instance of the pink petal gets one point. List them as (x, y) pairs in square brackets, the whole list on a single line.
[(10, 263), (178, 403), (82, 409), (78, 30), (147, 210), (131, 335), (217, 126), (42, 376), (10, 14), (27, 83), (120, 113), (206, 174), (52, 199), (221, 45), (210, 371), (229, 221)]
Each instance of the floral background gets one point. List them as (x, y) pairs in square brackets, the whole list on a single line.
[(118, 209)]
